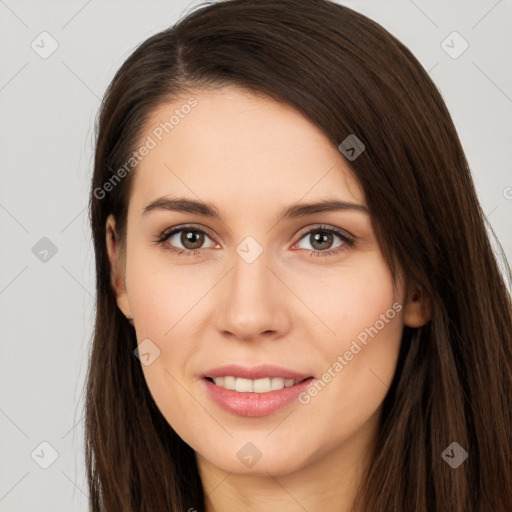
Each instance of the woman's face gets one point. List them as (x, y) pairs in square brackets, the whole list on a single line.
[(242, 284)]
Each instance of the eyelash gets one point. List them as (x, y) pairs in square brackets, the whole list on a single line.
[(348, 242)]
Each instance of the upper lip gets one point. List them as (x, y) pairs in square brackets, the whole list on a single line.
[(254, 372)]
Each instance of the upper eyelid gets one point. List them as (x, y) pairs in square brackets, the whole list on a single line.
[(191, 227), (326, 227)]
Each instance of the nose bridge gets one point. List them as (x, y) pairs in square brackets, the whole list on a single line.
[(251, 279), (252, 300), (250, 276)]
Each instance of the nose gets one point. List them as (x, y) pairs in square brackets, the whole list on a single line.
[(253, 301)]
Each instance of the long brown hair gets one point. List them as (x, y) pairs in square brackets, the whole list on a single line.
[(453, 381)]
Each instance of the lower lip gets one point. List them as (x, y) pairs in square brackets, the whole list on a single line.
[(255, 404)]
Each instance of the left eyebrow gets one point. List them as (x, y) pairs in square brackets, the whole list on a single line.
[(327, 205), (291, 212)]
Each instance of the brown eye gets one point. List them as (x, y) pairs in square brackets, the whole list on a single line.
[(192, 239), (185, 240), (321, 240)]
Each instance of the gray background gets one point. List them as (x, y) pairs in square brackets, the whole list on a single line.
[(48, 107)]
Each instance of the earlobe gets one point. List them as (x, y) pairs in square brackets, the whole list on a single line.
[(116, 267), (417, 311)]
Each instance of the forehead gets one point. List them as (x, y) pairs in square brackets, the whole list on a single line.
[(233, 146)]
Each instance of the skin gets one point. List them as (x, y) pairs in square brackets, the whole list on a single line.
[(251, 156)]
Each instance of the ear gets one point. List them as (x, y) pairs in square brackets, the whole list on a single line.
[(417, 310), (117, 268)]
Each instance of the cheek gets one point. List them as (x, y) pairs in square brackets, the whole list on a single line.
[(347, 300), (364, 311), (159, 292), (355, 382), (164, 299), (160, 300)]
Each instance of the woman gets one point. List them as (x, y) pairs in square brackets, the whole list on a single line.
[(298, 304)]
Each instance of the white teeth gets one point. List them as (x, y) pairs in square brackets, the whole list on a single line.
[(229, 382), (243, 385), (262, 385), (254, 386), (277, 383)]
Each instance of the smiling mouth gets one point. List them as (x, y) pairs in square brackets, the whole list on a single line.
[(264, 385)]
